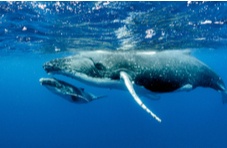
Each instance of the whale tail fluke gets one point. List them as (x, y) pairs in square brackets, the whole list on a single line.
[(224, 97)]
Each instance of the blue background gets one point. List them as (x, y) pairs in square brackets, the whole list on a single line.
[(32, 33)]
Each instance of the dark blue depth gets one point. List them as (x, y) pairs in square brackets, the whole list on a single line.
[(34, 32)]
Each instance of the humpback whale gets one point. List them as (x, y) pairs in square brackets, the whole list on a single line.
[(68, 91), (140, 71)]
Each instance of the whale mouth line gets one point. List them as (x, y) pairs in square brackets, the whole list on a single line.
[(86, 79), (47, 81)]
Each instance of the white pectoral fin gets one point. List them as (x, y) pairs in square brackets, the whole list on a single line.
[(130, 88)]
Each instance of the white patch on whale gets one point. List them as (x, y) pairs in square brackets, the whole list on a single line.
[(186, 87), (130, 88)]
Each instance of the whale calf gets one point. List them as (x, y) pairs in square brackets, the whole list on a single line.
[(154, 72), (68, 91)]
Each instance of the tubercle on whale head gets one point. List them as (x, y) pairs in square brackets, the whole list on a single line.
[(52, 66), (49, 69)]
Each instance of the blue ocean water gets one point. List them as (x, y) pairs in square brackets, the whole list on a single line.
[(32, 33)]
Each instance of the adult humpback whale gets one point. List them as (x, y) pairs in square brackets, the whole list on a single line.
[(159, 72), (68, 91)]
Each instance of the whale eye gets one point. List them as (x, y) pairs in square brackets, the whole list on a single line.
[(100, 66)]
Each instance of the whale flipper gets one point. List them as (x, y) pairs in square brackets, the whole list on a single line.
[(130, 88), (98, 97), (76, 98)]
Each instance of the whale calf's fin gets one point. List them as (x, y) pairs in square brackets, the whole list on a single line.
[(130, 88), (224, 97), (78, 98), (98, 97)]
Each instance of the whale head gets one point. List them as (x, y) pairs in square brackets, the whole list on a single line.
[(92, 68), (72, 66), (67, 91), (56, 86)]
